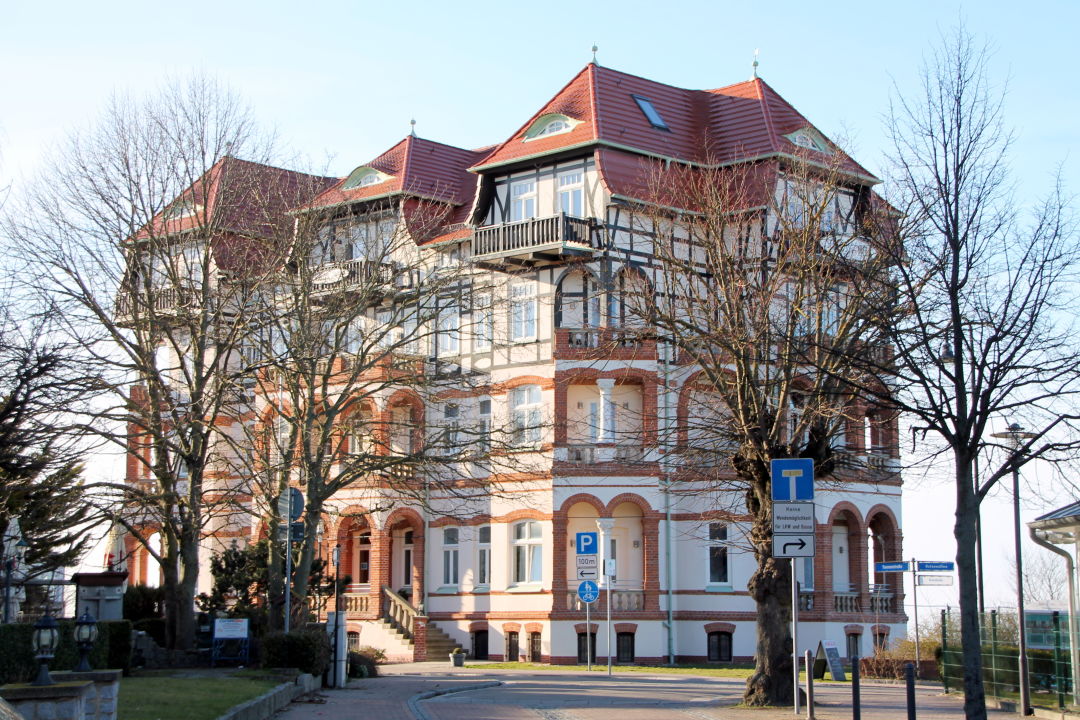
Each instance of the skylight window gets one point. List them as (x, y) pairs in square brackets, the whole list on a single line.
[(650, 112)]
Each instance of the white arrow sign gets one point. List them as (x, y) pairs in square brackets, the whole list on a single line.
[(788, 546)]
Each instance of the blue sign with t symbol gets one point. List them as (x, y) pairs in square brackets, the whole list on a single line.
[(793, 479), (588, 591), (587, 544)]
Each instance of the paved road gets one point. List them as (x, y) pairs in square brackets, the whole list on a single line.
[(553, 695)]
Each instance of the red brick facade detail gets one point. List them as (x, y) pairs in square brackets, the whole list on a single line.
[(625, 627), (580, 627), (719, 627)]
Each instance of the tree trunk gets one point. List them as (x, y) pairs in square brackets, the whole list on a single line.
[(185, 594), (967, 510), (770, 586), (275, 578)]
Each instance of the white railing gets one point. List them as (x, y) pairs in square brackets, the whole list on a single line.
[(399, 612), (846, 602), (882, 602), (806, 600), (524, 235), (356, 603), (621, 600)]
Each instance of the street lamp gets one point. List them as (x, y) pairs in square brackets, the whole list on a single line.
[(1016, 436), (86, 632), (44, 640), (11, 561)]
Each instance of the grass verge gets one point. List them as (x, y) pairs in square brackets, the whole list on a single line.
[(740, 672), (184, 698)]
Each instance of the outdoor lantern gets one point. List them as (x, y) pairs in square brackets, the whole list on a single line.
[(86, 632), (44, 641)]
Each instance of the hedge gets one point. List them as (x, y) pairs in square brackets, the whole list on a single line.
[(112, 649), (306, 650)]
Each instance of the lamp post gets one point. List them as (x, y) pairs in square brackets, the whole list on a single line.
[(337, 610), (1016, 436), (12, 561), (86, 633), (44, 641)]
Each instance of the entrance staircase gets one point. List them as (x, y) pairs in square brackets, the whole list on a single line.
[(398, 621)]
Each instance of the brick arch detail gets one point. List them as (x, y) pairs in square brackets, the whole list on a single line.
[(511, 627), (582, 498), (401, 513), (853, 629), (580, 628), (626, 627), (622, 376), (720, 627), (524, 514), (845, 506), (534, 627), (545, 383), (885, 510), (682, 406), (478, 625), (634, 499), (880, 629)]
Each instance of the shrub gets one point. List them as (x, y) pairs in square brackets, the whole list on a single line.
[(883, 666), (362, 665), (142, 602), (119, 644), (306, 650), (154, 627), (374, 653), (17, 662)]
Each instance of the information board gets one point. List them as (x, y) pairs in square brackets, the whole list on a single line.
[(828, 656)]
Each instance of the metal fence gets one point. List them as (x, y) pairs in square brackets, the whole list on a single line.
[(1048, 655)]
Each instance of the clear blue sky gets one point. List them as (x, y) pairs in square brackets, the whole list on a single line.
[(341, 80)]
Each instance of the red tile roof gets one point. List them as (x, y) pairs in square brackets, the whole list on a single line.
[(739, 122)]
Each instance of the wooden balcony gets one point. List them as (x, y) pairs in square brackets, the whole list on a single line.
[(537, 241), (352, 276), (155, 305)]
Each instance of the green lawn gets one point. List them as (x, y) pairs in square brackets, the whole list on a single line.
[(158, 697), (741, 672)]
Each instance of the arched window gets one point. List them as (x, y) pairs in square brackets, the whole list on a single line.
[(577, 301), (528, 553), (549, 124), (720, 647)]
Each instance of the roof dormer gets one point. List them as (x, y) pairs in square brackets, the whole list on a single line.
[(810, 139), (364, 176), (550, 124)]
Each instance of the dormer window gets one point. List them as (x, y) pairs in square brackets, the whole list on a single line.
[(650, 112), (809, 139), (550, 124), (182, 209), (364, 177)]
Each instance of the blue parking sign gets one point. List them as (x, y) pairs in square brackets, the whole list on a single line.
[(587, 543), (793, 479)]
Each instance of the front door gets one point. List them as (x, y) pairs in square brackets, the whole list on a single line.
[(841, 563), (480, 645), (513, 653), (534, 647)]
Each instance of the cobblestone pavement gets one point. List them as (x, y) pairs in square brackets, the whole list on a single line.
[(553, 695)]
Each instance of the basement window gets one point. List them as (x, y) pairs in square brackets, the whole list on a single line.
[(650, 113)]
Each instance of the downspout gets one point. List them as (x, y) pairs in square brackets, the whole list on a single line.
[(1074, 621), (665, 465)]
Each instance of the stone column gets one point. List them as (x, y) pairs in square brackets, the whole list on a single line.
[(606, 423)]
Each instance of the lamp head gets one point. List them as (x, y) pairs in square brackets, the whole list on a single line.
[(46, 636), (86, 630)]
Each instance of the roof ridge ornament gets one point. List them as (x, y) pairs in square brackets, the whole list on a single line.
[(412, 127), (594, 49), (754, 67)]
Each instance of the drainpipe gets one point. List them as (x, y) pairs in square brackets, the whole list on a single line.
[(665, 468), (1074, 621)]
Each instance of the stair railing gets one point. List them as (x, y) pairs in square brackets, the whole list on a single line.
[(398, 612)]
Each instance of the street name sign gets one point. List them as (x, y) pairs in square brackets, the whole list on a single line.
[(934, 579), (588, 591), (792, 546), (587, 543), (897, 566), (792, 479), (793, 518), (935, 566)]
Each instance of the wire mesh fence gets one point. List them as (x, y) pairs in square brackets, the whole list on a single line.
[(1048, 656)]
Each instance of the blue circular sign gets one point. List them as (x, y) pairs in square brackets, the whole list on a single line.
[(588, 591)]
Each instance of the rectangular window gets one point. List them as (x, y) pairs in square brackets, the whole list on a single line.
[(450, 556), (523, 311), (522, 200), (452, 429), (484, 426), (483, 323), (525, 415), (572, 193), (449, 339), (483, 556), (718, 553), (613, 555)]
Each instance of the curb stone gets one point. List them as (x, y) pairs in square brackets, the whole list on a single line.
[(415, 700), (271, 701)]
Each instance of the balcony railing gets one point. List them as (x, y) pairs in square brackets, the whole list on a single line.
[(806, 600), (599, 337), (846, 602), (882, 602), (590, 454), (355, 605), (160, 301), (350, 275), (621, 600), (549, 239), (398, 611)]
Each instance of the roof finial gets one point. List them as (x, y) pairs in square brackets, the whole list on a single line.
[(412, 127), (594, 49), (753, 73)]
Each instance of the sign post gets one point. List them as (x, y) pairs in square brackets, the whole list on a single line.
[(915, 567), (586, 545), (588, 591), (293, 503), (606, 525), (793, 533)]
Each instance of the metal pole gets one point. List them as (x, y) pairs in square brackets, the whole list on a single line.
[(909, 678), (8, 568), (856, 705), (607, 583), (1059, 675), (1025, 688), (915, 598), (337, 609), (288, 574), (795, 636), (944, 652), (979, 545), (588, 638), (809, 686)]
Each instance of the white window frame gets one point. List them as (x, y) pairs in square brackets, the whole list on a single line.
[(523, 311), (718, 540), (449, 335), (569, 187), (452, 428), (526, 406), (483, 556), (527, 553), (523, 199), (483, 414), (451, 537), (483, 322)]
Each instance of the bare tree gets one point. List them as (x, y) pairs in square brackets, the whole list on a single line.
[(760, 285), (1045, 582), (983, 322), (144, 233)]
